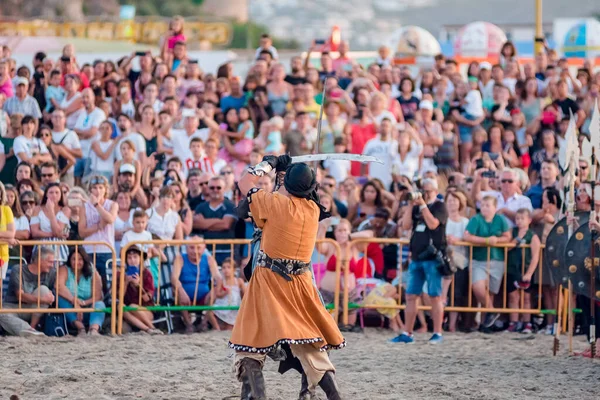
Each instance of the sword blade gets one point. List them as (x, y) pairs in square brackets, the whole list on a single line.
[(335, 156)]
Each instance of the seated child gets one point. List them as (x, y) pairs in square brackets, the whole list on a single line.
[(385, 294)]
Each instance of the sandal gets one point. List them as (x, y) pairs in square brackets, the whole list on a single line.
[(154, 331), (81, 332)]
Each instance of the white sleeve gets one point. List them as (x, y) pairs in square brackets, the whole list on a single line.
[(98, 118), (367, 148), (125, 239), (72, 140), (19, 146), (2, 148)]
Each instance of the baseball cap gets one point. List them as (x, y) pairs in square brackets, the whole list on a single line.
[(127, 169), (485, 65), (426, 105), (21, 81)]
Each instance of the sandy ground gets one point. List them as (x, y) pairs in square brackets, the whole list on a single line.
[(135, 366)]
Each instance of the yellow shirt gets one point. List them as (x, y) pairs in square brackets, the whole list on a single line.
[(289, 225), (6, 218)]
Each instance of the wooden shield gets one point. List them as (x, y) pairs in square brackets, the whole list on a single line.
[(578, 261), (556, 242)]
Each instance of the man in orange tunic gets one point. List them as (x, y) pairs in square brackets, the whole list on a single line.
[(282, 306)]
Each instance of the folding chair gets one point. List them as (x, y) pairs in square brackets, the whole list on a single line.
[(166, 296)]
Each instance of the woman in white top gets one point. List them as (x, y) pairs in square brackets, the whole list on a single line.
[(72, 104), (50, 220), (97, 224), (102, 155), (456, 226), (408, 159), (163, 222)]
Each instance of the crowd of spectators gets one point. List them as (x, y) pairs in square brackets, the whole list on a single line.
[(151, 146)]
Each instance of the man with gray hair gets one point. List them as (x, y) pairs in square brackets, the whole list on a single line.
[(26, 289), (427, 219), (509, 198)]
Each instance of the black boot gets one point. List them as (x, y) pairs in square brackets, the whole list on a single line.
[(329, 386), (305, 394), (253, 383)]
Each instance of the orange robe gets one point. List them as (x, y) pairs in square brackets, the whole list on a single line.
[(275, 311)]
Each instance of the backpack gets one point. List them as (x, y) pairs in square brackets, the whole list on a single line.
[(55, 325)]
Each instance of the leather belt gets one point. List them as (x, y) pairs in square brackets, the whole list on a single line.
[(282, 266)]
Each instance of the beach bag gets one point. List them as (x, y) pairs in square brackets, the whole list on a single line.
[(55, 325)]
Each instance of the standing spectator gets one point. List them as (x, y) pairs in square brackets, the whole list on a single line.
[(65, 140), (68, 66), (29, 148), (50, 221), (48, 175), (384, 148), (430, 133), (278, 90), (370, 201), (427, 218), (72, 103), (456, 226), (485, 230), (408, 101), (163, 222), (301, 140), (215, 218), (197, 184), (361, 130), (297, 75), (229, 293), (181, 138), (7, 230), (124, 125), (22, 102), (80, 286), (25, 286), (548, 178), (521, 265), (236, 98), (86, 127), (102, 154), (508, 199), (97, 223), (6, 86), (266, 44), (410, 148), (567, 104)]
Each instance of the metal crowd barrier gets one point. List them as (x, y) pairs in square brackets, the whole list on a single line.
[(173, 304), (37, 308), (451, 307)]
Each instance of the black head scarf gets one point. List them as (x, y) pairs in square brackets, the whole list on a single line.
[(301, 181)]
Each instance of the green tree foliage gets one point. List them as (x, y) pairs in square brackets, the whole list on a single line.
[(240, 33), (165, 8)]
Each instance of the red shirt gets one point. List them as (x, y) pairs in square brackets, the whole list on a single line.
[(360, 136)]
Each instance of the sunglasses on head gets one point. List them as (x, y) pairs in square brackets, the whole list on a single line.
[(97, 181), (215, 187)]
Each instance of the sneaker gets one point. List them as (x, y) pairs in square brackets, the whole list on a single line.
[(437, 338), (512, 327), (31, 332), (403, 338), (549, 330), (528, 328), (490, 319)]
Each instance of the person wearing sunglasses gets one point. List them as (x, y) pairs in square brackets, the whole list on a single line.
[(215, 218), (508, 197)]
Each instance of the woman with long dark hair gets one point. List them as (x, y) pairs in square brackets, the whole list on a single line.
[(370, 200), (80, 286), (50, 220), (22, 230)]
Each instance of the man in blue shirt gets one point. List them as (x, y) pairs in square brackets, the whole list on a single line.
[(548, 178), (215, 218), (236, 98)]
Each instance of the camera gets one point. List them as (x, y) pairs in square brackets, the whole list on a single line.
[(488, 174), (414, 196)]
